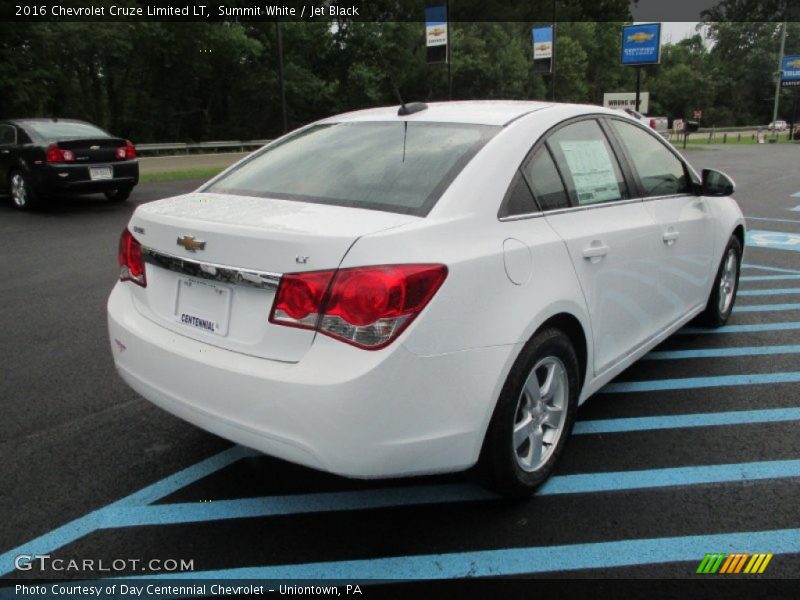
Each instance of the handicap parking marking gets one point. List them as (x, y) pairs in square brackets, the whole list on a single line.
[(769, 268), (773, 239), (773, 219), (515, 561)]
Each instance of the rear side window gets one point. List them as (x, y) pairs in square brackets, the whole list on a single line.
[(660, 171), (62, 130), (7, 135), (394, 166), (519, 200), (587, 163), (543, 177)]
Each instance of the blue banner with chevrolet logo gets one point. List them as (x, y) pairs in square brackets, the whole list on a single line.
[(790, 71), (641, 44)]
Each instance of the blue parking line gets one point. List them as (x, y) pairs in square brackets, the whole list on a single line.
[(722, 352), (182, 478), (99, 519), (769, 292), (752, 328), (772, 219), (766, 307), (519, 561), (768, 277), (769, 268), (738, 417), (171, 514), (691, 383)]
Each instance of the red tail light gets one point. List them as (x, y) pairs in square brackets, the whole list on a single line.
[(131, 263), (652, 123), (126, 152), (57, 155), (367, 307)]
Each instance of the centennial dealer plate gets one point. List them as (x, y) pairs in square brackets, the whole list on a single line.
[(203, 305)]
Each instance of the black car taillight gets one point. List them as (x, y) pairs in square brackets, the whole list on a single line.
[(55, 154), (126, 152)]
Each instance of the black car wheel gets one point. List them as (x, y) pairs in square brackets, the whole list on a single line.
[(119, 195), (23, 194), (726, 284), (534, 415)]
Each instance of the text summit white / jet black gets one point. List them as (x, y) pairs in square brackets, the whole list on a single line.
[(405, 291)]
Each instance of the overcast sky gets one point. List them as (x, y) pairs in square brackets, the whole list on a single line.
[(674, 31)]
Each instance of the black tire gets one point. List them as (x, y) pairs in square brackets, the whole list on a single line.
[(717, 311), (119, 194), (23, 195), (501, 460)]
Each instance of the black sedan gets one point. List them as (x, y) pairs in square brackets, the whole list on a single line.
[(40, 158)]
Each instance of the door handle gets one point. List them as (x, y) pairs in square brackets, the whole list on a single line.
[(670, 237), (5, 151), (595, 251)]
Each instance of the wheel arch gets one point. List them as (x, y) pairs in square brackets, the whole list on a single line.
[(739, 233), (570, 324)]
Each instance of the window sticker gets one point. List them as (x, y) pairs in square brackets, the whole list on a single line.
[(592, 171)]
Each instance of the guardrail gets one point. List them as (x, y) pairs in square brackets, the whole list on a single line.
[(188, 148)]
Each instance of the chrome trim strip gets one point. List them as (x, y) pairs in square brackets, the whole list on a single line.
[(222, 273), (521, 217), (560, 211)]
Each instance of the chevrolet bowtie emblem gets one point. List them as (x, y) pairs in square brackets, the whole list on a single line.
[(191, 244)]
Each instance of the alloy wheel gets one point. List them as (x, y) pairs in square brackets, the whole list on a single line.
[(727, 282), (541, 413), (19, 193)]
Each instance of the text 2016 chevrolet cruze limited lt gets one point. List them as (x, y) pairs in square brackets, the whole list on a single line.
[(406, 291)]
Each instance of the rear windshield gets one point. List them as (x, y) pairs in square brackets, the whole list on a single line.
[(61, 130), (392, 166)]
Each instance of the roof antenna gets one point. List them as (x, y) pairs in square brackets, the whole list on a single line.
[(405, 109)]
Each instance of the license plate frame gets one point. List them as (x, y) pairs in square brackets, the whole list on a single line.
[(101, 173), (203, 306)]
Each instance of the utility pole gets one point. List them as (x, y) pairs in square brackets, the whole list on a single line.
[(778, 85), (449, 53), (553, 57), (281, 81)]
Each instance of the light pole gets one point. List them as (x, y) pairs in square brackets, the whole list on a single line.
[(778, 85)]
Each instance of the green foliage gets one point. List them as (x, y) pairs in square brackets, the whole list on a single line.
[(154, 81)]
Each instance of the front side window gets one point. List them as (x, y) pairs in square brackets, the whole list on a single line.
[(587, 163), (394, 166), (660, 171)]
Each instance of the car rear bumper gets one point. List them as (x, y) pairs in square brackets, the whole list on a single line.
[(340, 409), (58, 178)]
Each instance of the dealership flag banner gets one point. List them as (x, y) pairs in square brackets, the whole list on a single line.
[(641, 44), (542, 40), (790, 71), (436, 34)]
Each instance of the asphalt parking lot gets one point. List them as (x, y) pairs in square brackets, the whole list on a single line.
[(694, 450)]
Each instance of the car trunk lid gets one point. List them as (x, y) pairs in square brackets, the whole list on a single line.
[(214, 261), (93, 150)]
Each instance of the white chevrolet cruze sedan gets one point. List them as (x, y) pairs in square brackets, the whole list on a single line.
[(406, 291)]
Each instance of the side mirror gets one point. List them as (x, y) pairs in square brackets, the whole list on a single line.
[(716, 183), (692, 126)]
